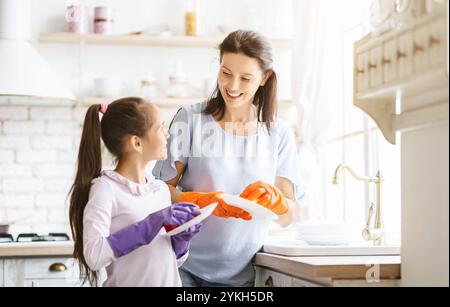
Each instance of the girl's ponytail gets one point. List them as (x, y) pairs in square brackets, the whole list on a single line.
[(89, 167)]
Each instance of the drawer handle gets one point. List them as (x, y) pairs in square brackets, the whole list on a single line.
[(401, 55), (269, 282), (372, 66), (386, 61), (417, 48), (360, 71), (57, 267), (434, 41)]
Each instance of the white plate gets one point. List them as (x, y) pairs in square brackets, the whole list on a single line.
[(257, 211), (206, 211)]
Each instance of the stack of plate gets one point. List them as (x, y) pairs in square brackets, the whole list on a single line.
[(326, 233)]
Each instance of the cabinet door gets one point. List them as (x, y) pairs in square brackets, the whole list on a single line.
[(374, 67), (53, 283), (18, 271), (421, 54), (296, 282), (362, 72), (389, 61), (405, 55), (269, 278), (437, 42)]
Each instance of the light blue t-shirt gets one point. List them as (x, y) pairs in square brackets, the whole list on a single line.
[(217, 160)]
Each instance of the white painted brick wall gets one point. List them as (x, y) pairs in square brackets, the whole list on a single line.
[(54, 171), (23, 127), (6, 156), (79, 113), (35, 156), (14, 201), (52, 142), (13, 113), (63, 128), (10, 170), (50, 113), (38, 151), (14, 142), (21, 186), (54, 200)]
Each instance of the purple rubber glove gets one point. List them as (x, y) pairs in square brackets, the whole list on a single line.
[(181, 242), (143, 232)]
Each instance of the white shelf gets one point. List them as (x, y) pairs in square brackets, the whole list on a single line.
[(143, 40)]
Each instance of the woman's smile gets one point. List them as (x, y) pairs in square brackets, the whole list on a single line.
[(233, 96)]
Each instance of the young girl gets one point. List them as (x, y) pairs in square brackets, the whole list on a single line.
[(116, 216)]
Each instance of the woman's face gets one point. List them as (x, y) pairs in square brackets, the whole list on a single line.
[(155, 140), (239, 78)]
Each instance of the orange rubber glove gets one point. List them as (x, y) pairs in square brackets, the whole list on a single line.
[(267, 196), (222, 210)]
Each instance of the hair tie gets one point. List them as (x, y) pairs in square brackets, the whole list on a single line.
[(103, 108)]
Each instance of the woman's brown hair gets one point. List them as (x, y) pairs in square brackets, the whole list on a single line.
[(255, 46), (127, 116)]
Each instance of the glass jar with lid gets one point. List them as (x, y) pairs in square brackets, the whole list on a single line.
[(149, 88)]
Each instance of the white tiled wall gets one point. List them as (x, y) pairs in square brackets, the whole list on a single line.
[(38, 148)]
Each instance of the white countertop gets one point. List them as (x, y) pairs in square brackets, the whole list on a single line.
[(31, 249)]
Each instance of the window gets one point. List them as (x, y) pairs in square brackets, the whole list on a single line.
[(354, 139)]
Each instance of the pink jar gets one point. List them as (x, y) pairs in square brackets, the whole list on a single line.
[(77, 19), (103, 20)]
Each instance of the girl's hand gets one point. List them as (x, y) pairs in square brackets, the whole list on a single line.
[(267, 196)]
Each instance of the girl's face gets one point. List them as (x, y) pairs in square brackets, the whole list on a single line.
[(154, 142), (239, 78)]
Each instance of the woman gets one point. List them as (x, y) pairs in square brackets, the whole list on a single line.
[(233, 143)]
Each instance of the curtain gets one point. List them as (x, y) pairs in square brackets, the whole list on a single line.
[(317, 78)]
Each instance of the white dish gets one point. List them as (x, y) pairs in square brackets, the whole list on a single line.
[(206, 211), (257, 211)]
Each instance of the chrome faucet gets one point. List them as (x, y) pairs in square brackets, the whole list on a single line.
[(375, 233)]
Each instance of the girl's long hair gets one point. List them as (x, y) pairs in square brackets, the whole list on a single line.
[(255, 46), (123, 117)]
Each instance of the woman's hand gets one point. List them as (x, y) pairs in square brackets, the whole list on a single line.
[(222, 210), (267, 196)]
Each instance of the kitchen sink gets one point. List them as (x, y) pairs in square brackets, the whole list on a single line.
[(298, 249)]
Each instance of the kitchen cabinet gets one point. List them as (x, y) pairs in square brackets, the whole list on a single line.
[(1, 272), (270, 278), (407, 65), (35, 272), (274, 270)]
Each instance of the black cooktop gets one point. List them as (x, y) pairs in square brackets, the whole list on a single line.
[(34, 237)]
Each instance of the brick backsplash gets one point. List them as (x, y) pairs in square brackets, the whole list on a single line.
[(38, 149)]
